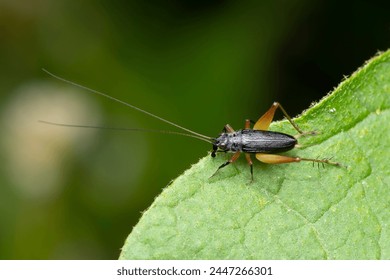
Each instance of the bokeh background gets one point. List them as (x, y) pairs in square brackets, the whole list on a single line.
[(68, 193)]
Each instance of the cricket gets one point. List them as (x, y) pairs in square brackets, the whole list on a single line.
[(258, 140)]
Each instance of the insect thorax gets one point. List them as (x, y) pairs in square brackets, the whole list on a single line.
[(229, 142)]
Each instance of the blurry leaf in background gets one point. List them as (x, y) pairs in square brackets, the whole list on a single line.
[(35, 153)]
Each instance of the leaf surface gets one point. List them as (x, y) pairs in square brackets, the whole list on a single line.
[(290, 211)]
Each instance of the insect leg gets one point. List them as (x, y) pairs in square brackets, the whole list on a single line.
[(322, 161), (289, 118), (228, 128), (247, 124), (231, 160), (265, 120), (277, 159), (249, 160)]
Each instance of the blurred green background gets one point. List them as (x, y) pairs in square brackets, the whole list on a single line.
[(69, 193)]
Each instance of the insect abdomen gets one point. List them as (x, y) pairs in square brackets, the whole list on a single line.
[(260, 141)]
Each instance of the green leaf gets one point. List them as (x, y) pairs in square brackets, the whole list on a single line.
[(290, 211)]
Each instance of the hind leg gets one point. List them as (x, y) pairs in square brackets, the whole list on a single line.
[(278, 159)]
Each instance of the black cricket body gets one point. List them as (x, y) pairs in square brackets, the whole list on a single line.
[(254, 141), (265, 144)]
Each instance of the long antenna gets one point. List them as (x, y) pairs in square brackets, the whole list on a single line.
[(128, 105), (128, 129)]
